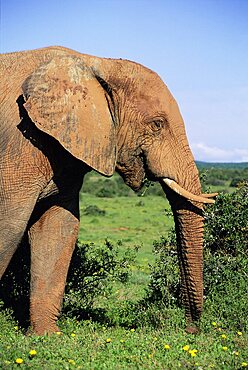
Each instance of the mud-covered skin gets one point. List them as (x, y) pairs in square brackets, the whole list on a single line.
[(62, 114)]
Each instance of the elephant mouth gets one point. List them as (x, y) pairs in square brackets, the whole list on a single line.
[(203, 198)]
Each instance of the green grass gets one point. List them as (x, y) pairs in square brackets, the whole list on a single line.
[(90, 345), (123, 334), (133, 220)]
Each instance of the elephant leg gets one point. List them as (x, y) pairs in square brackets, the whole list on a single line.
[(8, 246), (13, 223), (52, 239)]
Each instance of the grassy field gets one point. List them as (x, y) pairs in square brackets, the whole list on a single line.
[(133, 220), (124, 334)]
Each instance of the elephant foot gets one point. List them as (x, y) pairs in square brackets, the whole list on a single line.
[(41, 331), (192, 329), (43, 316)]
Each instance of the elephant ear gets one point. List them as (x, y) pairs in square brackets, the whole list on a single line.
[(65, 100)]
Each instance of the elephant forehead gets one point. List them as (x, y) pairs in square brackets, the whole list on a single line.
[(151, 95), (148, 99)]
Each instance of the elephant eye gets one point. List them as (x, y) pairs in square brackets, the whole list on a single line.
[(157, 124)]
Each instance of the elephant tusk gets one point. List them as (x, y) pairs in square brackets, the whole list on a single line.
[(186, 194), (209, 195)]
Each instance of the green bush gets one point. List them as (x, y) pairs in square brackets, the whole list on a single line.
[(163, 288), (226, 257), (93, 210), (91, 274), (236, 181), (226, 227)]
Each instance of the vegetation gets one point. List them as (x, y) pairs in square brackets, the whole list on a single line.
[(122, 302), (223, 176)]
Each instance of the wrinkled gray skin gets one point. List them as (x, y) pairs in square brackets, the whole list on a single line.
[(63, 113)]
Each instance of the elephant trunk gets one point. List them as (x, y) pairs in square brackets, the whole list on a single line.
[(189, 230)]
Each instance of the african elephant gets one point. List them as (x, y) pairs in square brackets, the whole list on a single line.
[(63, 114)]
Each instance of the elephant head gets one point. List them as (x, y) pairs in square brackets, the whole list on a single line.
[(119, 115)]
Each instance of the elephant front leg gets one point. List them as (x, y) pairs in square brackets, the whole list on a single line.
[(52, 240)]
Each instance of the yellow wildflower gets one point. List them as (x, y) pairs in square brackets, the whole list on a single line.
[(58, 332), (16, 327), (73, 334), (244, 364), (122, 341), (223, 336), (108, 340), (167, 346), (186, 348), (236, 353), (214, 323), (193, 352), (239, 333), (132, 330), (72, 362), (224, 348), (32, 352), (19, 360)]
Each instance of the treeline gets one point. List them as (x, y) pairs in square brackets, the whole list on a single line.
[(223, 165), (224, 176)]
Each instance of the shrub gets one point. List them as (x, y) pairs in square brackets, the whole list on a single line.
[(163, 287), (225, 257), (226, 228), (236, 181), (92, 271), (93, 210)]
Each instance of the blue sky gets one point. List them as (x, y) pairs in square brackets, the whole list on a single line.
[(198, 47)]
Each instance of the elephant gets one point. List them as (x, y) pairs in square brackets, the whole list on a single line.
[(64, 114)]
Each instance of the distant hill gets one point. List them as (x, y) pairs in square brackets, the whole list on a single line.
[(230, 165)]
